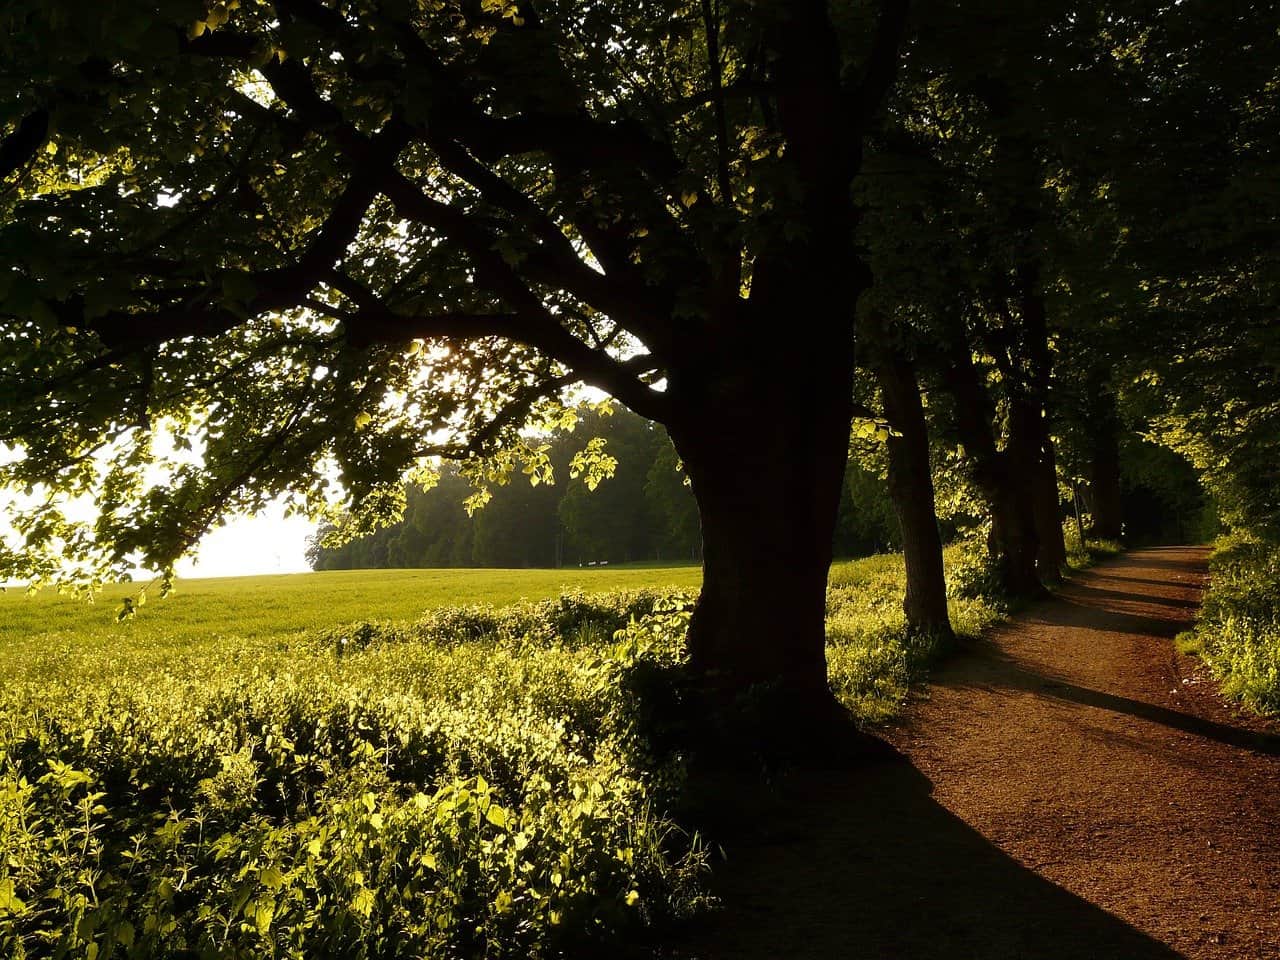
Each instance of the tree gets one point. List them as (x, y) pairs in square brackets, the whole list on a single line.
[(613, 522), (303, 240), (993, 244)]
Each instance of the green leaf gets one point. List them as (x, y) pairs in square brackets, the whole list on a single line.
[(498, 816), (9, 902)]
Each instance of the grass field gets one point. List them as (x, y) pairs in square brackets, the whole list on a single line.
[(374, 764), (276, 607)]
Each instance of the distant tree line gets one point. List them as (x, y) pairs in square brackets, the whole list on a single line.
[(644, 512)]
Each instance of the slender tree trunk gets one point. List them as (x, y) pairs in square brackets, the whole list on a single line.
[(1002, 477), (1104, 468), (1051, 554), (1052, 557), (911, 489), (1075, 503)]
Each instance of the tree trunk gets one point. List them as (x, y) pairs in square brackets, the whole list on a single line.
[(1031, 410), (1051, 555), (767, 482), (764, 442), (1104, 468), (1002, 477), (911, 489), (1033, 452), (1013, 539)]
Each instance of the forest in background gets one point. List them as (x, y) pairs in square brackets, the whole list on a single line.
[(644, 512)]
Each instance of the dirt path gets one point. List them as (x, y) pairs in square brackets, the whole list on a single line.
[(1071, 788)]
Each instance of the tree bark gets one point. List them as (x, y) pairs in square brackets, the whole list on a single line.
[(1002, 477), (1039, 464), (1052, 555), (1104, 468), (911, 489), (766, 462)]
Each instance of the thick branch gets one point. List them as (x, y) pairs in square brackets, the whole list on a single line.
[(882, 63), (19, 147)]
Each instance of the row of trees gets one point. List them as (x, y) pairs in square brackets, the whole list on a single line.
[(319, 237), (644, 511)]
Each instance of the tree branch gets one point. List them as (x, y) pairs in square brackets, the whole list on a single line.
[(882, 64), (19, 148)]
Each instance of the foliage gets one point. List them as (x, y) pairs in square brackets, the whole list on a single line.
[(290, 248), (1238, 633), (480, 781), (452, 797)]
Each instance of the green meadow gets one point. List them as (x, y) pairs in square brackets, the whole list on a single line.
[(274, 607), (416, 763)]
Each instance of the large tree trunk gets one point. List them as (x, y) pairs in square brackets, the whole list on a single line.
[(911, 489), (766, 462), (764, 387)]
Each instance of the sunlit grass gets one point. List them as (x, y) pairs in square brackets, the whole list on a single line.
[(258, 621), (223, 612), (1238, 633)]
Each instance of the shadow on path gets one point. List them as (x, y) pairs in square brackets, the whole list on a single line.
[(1004, 672), (867, 864), (1066, 610), (1080, 592), (1109, 576)]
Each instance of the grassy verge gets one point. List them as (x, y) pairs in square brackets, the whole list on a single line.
[(1238, 633), (289, 781), (1081, 556), (871, 659)]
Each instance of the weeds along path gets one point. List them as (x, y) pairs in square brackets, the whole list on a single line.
[(1070, 787)]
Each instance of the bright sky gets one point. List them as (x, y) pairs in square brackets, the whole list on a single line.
[(267, 543)]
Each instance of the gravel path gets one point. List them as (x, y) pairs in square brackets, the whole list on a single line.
[(1070, 787)]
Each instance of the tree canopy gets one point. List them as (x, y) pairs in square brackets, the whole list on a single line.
[(264, 248)]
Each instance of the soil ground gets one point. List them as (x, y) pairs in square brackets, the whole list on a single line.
[(1068, 787)]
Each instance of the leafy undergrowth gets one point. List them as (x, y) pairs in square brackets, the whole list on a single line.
[(1238, 634), (478, 795), (872, 659), (1081, 556), (481, 782)]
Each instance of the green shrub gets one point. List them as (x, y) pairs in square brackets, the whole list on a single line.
[(480, 782), (411, 800), (1238, 633)]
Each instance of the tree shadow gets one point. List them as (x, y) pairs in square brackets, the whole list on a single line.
[(1116, 575), (1066, 612), (1105, 593), (865, 863), (1012, 675), (1146, 560)]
